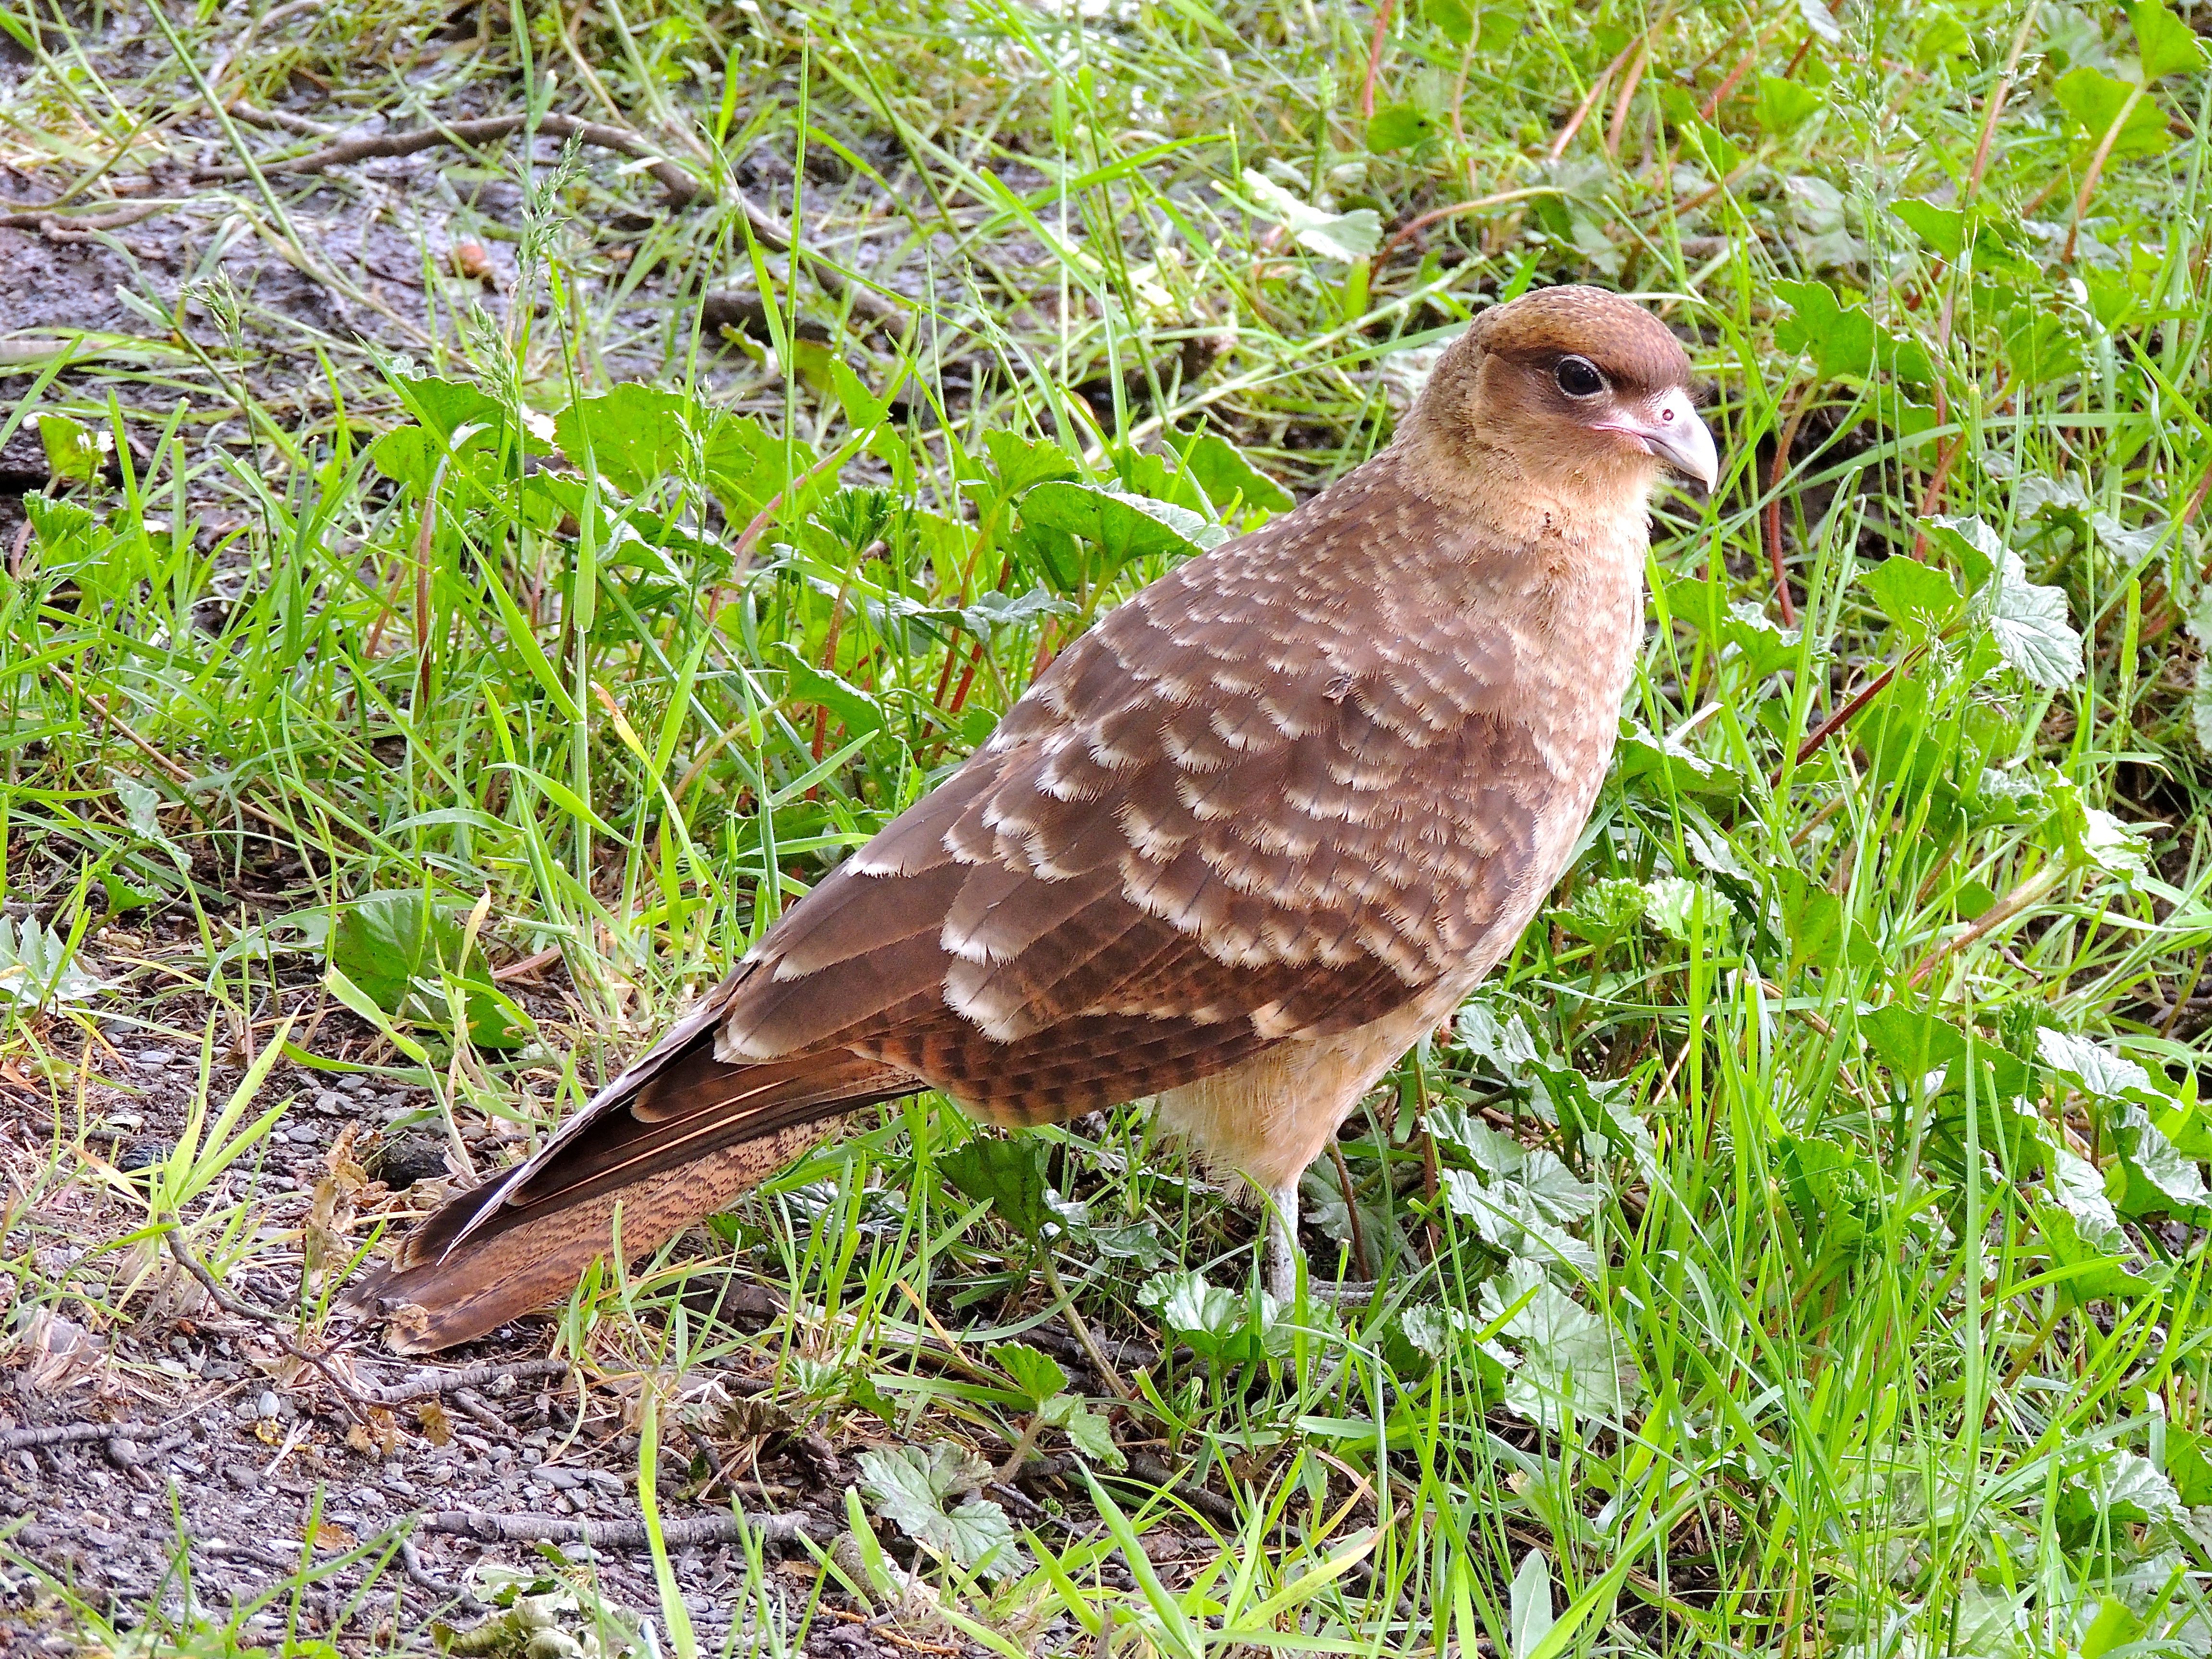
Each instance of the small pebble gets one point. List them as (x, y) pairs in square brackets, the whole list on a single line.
[(329, 1103), (268, 1405), (353, 1083), (124, 1453), (154, 1057)]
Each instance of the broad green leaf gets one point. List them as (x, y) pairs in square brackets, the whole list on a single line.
[(1978, 548), (747, 466), (1221, 470), (1018, 462), (1674, 904), (2030, 626), (861, 407), (38, 969), (2160, 1180), (1488, 26), (632, 434), (409, 456), (1910, 1043), (860, 713), (2116, 1626), (1943, 230), (1919, 600), (1783, 106), (2092, 838), (1219, 1326), (1397, 126), (2165, 44), (1567, 1368), (1841, 339), (1036, 1376), (73, 451), (2078, 1188), (1122, 527), (1671, 765), (1549, 1186), (913, 1488), (2096, 1268), (383, 941), (2092, 1069), (1510, 1220), (1344, 236), (2096, 101), (1006, 1172), (445, 407), (1089, 1432), (1603, 909)]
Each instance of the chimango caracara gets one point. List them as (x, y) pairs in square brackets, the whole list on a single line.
[(1235, 851)]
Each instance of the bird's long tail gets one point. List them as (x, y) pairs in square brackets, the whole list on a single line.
[(673, 1140)]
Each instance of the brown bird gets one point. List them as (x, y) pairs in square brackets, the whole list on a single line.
[(1236, 850)]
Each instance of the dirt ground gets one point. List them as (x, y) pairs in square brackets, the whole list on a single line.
[(166, 1458)]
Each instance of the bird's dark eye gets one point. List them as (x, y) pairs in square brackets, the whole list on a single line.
[(1578, 377)]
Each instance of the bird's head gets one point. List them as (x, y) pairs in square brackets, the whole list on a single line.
[(1578, 386)]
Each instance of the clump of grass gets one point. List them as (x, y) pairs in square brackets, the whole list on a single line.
[(1798, 1246)]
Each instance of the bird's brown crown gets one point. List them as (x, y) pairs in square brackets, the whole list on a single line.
[(1631, 347)]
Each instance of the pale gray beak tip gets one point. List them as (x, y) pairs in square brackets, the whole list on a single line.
[(1677, 436)]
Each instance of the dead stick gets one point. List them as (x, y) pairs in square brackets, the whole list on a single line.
[(489, 1529)]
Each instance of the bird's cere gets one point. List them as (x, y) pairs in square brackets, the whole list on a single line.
[(1667, 425)]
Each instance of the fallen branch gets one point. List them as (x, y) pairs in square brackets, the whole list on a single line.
[(487, 1528), (73, 1434), (429, 1384), (49, 221)]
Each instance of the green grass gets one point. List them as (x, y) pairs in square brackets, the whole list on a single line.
[(1785, 1345)]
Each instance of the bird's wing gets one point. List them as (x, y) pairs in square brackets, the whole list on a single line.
[(1244, 807)]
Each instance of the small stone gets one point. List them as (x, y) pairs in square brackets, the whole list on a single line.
[(606, 1481), (408, 1157), (154, 1057), (268, 1405), (329, 1104), (567, 1480), (303, 1134), (124, 1453), (142, 1152), (353, 1083)]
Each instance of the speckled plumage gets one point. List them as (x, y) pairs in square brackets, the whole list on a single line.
[(1234, 849)]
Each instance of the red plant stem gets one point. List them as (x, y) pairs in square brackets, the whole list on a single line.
[(1784, 440), (1835, 722), (1375, 57)]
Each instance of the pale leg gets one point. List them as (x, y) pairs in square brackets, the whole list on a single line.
[(1283, 1243)]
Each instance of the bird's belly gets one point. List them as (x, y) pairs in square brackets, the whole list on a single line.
[(1267, 1117)]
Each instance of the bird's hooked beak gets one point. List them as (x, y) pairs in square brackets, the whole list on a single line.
[(1667, 425)]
